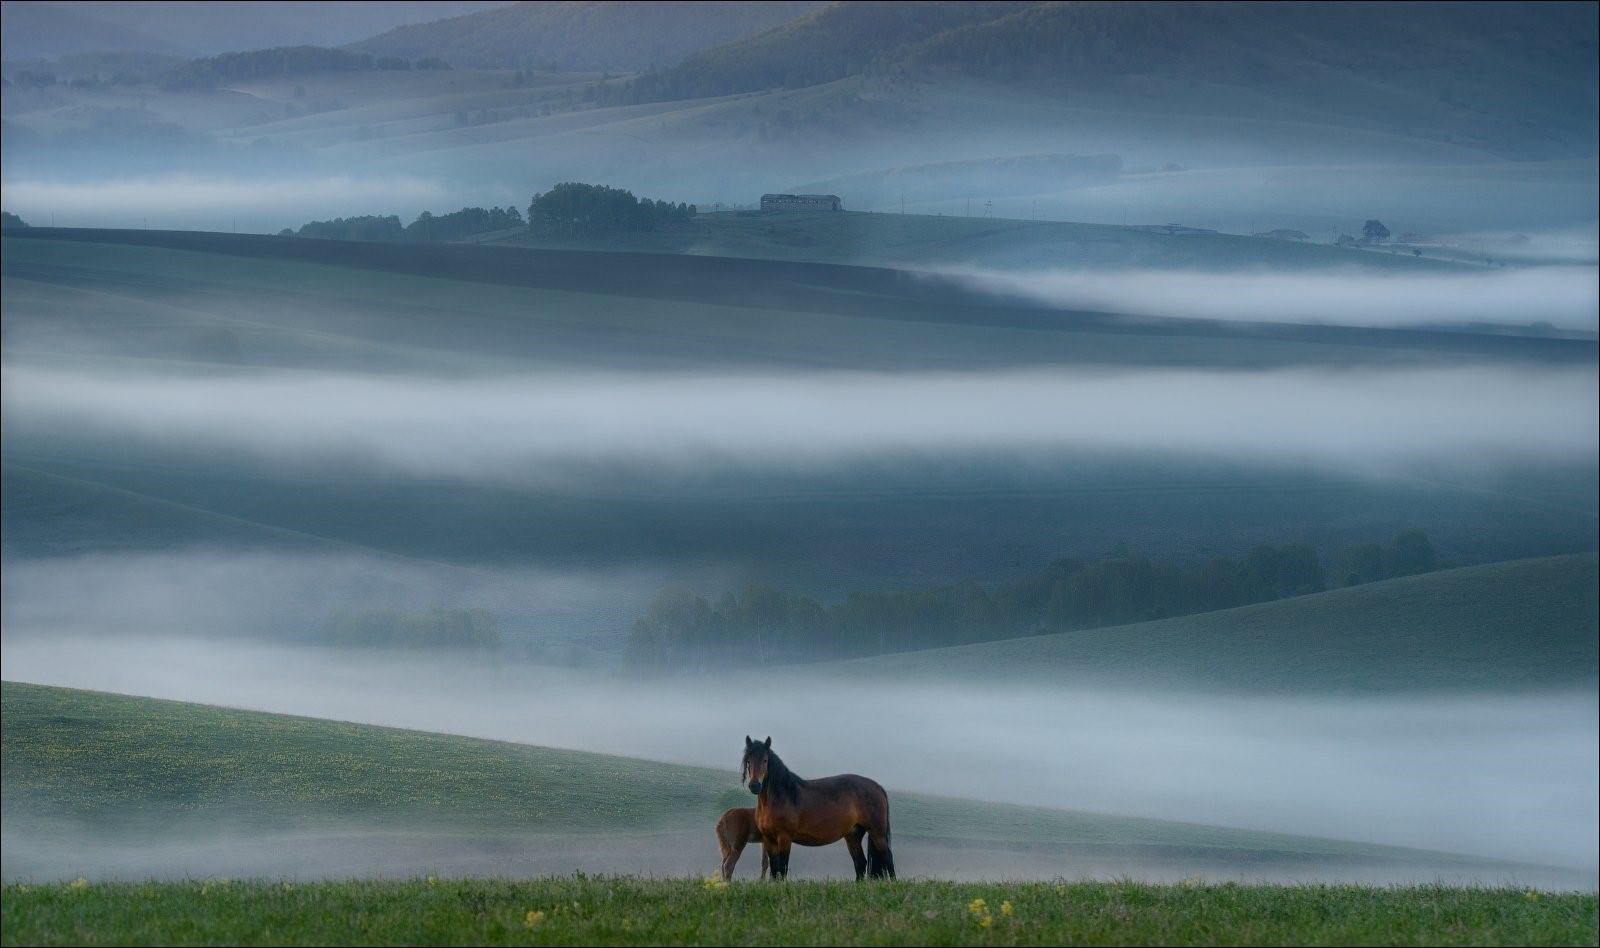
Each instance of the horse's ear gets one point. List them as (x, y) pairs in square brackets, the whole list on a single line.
[(747, 741), (769, 743)]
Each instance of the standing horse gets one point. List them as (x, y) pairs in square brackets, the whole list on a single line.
[(736, 828), (816, 812)]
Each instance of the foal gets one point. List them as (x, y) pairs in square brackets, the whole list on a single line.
[(736, 828)]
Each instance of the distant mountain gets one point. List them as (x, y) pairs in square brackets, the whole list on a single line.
[(839, 40), (44, 30), (586, 35), (1516, 79), (47, 30)]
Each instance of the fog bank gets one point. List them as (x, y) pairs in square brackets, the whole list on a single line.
[(1563, 297), (526, 428), (262, 205), (1509, 777)]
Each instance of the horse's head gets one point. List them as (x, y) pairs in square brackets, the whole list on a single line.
[(753, 769)]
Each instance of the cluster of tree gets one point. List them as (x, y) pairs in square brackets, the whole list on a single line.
[(581, 210), (1407, 554), (466, 222), (432, 628), (280, 62), (366, 227), (10, 221), (457, 225), (682, 630)]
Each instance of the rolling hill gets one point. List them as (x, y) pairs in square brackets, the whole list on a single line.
[(1474, 74), (136, 770), (585, 35), (44, 30), (1520, 625), (197, 305)]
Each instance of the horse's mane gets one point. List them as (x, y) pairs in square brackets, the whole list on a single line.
[(784, 783)]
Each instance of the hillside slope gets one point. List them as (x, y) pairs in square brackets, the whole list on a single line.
[(1477, 74), (585, 35), (1524, 624), (47, 29), (119, 764)]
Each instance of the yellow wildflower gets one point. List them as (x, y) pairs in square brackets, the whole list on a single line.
[(1531, 896), (78, 883), (532, 919), (977, 906), (986, 921), (715, 881), (1005, 907)]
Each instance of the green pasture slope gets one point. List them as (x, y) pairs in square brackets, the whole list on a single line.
[(628, 911), (1502, 626), (112, 762), (118, 763)]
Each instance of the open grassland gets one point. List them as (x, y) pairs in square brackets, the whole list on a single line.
[(925, 240), (1523, 624), (114, 763), (579, 911)]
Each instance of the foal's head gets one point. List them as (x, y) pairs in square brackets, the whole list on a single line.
[(753, 769)]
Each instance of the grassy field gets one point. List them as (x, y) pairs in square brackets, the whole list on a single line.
[(118, 763), (1525, 624), (579, 911)]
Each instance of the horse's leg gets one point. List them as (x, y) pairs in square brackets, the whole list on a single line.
[(780, 859), (766, 863), (852, 839), (882, 858), (777, 850)]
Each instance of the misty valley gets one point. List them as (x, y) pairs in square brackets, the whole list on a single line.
[(1153, 443)]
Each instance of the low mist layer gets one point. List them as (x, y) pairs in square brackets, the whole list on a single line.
[(1511, 777), (1562, 297), (526, 428), (250, 205)]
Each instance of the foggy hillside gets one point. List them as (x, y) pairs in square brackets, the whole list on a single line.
[(1148, 439), (585, 35), (1517, 81), (45, 29)]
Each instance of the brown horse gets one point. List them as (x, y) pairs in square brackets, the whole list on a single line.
[(736, 828), (816, 812)]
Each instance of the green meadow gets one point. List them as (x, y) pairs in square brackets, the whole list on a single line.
[(628, 911)]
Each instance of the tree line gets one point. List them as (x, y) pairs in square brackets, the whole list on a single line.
[(282, 61), (457, 225), (684, 631), (571, 209)]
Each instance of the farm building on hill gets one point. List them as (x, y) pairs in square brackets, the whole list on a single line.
[(800, 202)]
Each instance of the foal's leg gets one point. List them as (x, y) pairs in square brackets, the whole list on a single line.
[(852, 839), (731, 848)]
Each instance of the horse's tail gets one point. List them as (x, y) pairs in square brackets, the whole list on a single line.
[(880, 858)]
